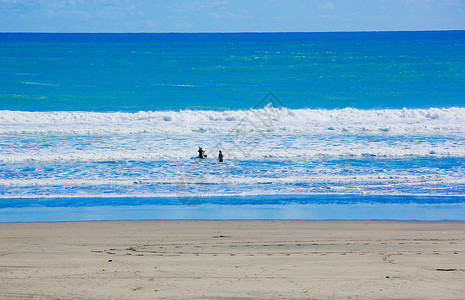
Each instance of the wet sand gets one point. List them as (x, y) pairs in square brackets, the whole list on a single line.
[(232, 260)]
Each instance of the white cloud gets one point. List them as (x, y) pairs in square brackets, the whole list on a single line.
[(327, 5), (214, 15), (198, 5)]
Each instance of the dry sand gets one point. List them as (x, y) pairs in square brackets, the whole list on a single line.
[(232, 260)]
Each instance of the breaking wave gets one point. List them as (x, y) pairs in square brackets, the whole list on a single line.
[(268, 119)]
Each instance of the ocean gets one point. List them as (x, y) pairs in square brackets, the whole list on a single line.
[(367, 125)]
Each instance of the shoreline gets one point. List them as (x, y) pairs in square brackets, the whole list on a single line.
[(248, 259), (194, 209)]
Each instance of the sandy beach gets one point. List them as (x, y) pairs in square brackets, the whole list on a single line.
[(232, 260)]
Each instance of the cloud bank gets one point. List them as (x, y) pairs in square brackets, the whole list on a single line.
[(229, 16)]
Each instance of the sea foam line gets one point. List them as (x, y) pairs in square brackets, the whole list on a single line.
[(268, 119), (203, 198), (261, 153), (215, 180)]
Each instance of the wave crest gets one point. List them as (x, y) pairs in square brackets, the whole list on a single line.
[(268, 119)]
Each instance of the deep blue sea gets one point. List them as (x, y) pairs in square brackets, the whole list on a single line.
[(367, 125)]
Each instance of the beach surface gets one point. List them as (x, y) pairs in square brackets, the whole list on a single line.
[(232, 260)]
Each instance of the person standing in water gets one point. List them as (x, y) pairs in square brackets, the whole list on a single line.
[(220, 156), (201, 153)]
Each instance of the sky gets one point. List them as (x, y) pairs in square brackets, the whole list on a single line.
[(230, 15)]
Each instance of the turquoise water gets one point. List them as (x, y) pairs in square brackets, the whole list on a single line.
[(313, 126), (133, 72)]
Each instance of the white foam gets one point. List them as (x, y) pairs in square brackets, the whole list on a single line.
[(39, 83), (268, 133), (275, 147), (348, 120), (60, 155), (203, 198), (371, 179)]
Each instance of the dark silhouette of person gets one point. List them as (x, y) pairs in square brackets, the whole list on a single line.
[(201, 153), (220, 156)]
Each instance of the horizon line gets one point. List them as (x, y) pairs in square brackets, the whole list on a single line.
[(229, 32)]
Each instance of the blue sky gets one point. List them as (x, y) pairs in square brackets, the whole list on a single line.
[(229, 15)]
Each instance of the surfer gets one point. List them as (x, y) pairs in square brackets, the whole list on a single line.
[(201, 153), (220, 156)]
